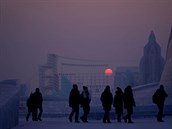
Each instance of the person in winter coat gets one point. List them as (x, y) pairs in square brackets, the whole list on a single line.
[(30, 106), (160, 96), (74, 101), (85, 103), (38, 100), (118, 103), (129, 103), (107, 100)]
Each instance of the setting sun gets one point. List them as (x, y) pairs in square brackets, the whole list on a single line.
[(108, 71)]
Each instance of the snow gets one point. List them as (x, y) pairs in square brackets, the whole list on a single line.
[(63, 123)]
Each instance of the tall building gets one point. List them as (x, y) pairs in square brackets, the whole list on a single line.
[(152, 63), (58, 75), (166, 78)]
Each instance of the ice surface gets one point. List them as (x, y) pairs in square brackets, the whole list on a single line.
[(63, 123)]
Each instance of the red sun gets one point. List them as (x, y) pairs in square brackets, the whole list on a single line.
[(108, 72)]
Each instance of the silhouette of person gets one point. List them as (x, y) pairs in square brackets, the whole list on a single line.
[(38, 104), (30, 107), (118, 103), (85, 103), (74, 101), (160, 96), (107, 100), (129, 103)]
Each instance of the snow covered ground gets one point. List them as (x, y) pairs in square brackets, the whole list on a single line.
[(63, 123)]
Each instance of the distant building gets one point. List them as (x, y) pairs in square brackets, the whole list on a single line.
[(48, 77), (152, 63), (58, 75), (85, 73), (126, 76)]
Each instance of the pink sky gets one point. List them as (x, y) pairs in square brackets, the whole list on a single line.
[(115, 30)]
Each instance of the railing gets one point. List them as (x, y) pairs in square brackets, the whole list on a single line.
[(140, 87)]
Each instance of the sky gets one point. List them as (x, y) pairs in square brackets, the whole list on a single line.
[(109, 30)]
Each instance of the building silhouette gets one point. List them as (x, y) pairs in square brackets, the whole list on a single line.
[(58, 75), (152, 63)]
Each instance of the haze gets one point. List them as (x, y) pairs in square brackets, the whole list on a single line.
[(107, 30)]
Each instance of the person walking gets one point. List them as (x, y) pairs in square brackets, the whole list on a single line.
[(38, 104), (159, 98), (85, 103), (74, 101), (118, 103), (30, 107), (129, 103), (107, 100)]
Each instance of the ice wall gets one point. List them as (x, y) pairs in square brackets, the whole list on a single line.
[(166, 78), (9, 103)]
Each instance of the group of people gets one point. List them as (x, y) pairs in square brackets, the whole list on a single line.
[(76, 99), (34, 103), (121, 100)]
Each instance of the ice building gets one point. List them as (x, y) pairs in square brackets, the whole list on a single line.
[(166, 78)]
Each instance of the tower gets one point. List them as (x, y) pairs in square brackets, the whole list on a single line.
[(152, 63)]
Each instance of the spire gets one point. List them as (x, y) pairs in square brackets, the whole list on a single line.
[(152, 36), (169, 46), (170, 38)]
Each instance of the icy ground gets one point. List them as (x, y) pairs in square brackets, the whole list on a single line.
[(63, 123)]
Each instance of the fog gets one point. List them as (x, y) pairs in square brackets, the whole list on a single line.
[(112, 31)]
